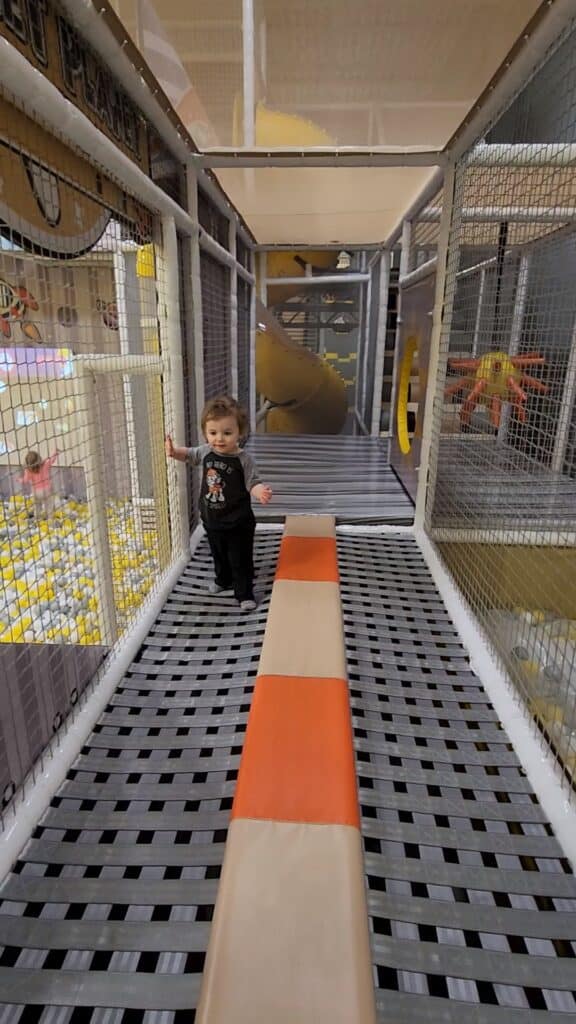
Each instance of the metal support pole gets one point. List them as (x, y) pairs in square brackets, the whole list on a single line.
[(515, 333), (94, 471), (173, 385), (405, 252), (360, 354), (128, 306), (263, 296), (406, 236), (196, 283), (500, 258), (381, 334), (566, 409), (263, 42), (442, 318), (233, 311), (367, 310), (248, 68), (252, 385), (478, 318), (320, 279)]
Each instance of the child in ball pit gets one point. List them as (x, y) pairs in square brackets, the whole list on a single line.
[(229, 478), (38, 475)]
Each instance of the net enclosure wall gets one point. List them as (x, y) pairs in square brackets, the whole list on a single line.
[(226, 286), (501, 501), (89, 521)]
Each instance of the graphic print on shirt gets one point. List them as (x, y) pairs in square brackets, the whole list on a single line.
[(215, 491)]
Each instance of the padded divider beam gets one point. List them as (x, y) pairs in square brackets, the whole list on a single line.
[(289, 939)]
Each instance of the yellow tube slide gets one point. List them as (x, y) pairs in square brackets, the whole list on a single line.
[(309, 394)]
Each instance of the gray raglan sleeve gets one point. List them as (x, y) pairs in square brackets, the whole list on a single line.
[(251, 474), (195, 455)]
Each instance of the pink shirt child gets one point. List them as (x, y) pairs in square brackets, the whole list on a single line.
[(40, 479)]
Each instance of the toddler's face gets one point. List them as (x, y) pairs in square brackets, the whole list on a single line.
[(223, 435)]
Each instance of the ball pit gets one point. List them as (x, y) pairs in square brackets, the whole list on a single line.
[(48, 590)]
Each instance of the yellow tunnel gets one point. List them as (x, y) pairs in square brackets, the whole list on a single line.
[(309, 395)]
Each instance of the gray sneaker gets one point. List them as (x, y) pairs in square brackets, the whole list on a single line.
[(248, 606), (214, 588)]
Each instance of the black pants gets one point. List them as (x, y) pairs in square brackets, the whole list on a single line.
[(233, 554)]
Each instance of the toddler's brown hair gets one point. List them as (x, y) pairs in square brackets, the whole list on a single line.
[(223, 405)]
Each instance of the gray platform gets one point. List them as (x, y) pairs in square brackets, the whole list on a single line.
[(485, 486), (472, 907), (348, 477), (107, 916)]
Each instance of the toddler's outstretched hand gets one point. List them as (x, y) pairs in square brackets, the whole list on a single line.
[(169, 447), (263, 493)]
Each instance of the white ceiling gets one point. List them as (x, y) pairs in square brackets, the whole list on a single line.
[(328, 73)]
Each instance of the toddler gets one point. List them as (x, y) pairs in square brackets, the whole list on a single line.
[(229, 477), (38, 474)]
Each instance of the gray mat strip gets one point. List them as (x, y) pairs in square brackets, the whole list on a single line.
[(137, 830), (471, 917), (176, 936), (140, 892), (472, 905), (138, 820), (403, 1008), (98, 988), (460, 962), (127, 854), (462, 876)]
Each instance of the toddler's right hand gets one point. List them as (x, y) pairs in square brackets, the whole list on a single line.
[(169, 447)]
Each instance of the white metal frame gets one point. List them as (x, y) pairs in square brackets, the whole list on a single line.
[(318, 157), (515, 332), (441, 318), (367, 294), (128, 316), (233, 311), (566, 409), (173, 385), (248, 73), (196, 295), (252, 386), (381, 336)]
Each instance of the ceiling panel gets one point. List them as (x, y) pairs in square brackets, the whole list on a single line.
[(325, 73), (323, 205)]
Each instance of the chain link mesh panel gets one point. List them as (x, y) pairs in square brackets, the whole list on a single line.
[(188, 362), (424, 233), (84, 530), (215, 278), (365, 383), (244, 299), (502, 494), (213, 221)]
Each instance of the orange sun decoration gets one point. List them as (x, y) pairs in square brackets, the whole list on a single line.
[(495, 378)]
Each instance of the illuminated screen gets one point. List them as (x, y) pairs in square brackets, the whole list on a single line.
[(23, 364)]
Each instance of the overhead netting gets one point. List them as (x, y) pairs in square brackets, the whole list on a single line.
[(502, 486), (308, 76)]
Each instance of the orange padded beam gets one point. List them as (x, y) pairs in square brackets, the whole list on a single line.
[(311, 559), (297, 763), (289, 942)]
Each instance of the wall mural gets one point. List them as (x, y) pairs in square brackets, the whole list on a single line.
[(15, 304)]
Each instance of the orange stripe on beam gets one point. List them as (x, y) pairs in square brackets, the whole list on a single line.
[(298, 762), (310, 559)]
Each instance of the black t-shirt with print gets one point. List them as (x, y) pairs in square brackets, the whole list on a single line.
[(225, 487)]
